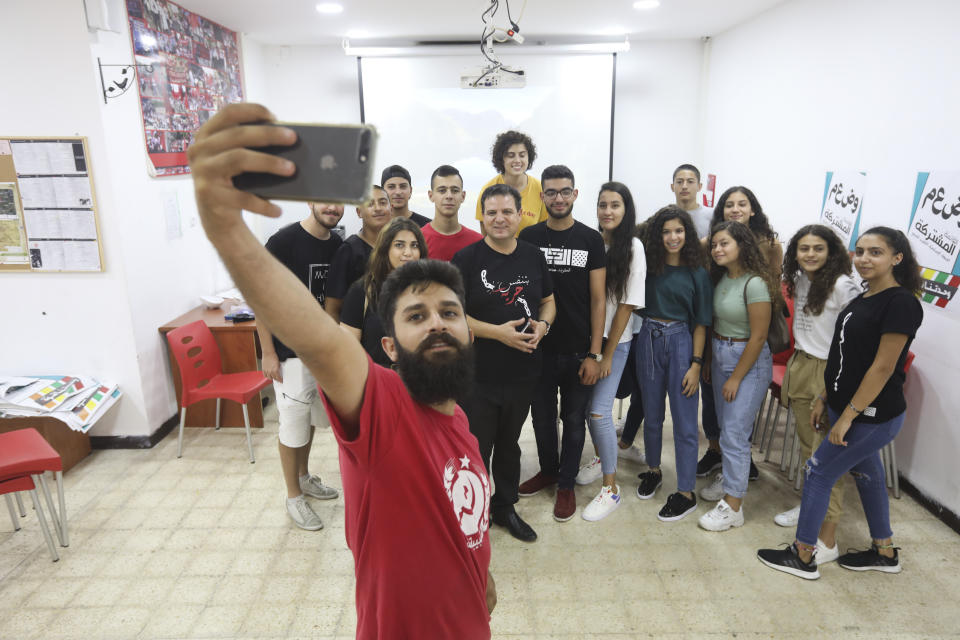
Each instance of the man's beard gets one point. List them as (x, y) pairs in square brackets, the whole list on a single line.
[(563, 214), (441, 376), (325, 225)]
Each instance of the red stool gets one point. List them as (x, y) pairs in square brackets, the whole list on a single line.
[(24, 456)]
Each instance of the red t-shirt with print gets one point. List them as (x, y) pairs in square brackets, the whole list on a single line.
[(443, 247), (417, 501)]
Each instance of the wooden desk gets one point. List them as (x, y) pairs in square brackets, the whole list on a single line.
[(239, 349)]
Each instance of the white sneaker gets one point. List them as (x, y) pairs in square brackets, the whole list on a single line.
[(590, 472), (302, 515), (631, 453), (826, 554), (721, 518), (788, 518), (713, 491), (312, 487), (603, 505)]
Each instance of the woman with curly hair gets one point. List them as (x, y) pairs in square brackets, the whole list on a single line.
[(399, 242), (670, 348), (863, 407), (513, 154), (817, 274), (744, 297), (739, 204), (626, 275)]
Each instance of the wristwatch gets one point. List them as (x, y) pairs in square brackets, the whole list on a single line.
[(595, 356)]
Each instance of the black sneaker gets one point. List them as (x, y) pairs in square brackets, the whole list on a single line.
[(870, 560), (678, 506), (710, 462), (788, 561), (650, 481), (754, 472)]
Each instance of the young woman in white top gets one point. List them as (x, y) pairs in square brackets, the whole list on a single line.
[(626, 282), (817, 272)]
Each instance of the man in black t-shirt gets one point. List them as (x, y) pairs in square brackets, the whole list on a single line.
[(509, 305), (306, 248), (350, 260), (396, 181), (577, 261)]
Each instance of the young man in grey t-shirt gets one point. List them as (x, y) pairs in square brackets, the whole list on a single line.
[(686, 186)]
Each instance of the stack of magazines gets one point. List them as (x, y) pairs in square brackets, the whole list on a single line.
[(78, 401)]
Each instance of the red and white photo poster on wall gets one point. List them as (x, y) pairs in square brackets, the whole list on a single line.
[(190, 67)]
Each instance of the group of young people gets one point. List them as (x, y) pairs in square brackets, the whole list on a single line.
[(541, 305)]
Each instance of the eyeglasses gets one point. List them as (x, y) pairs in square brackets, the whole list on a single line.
[(564, 193)]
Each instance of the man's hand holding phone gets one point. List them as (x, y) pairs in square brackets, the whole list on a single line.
[(222, 149)]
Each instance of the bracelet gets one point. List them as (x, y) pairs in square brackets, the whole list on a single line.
[(548, 327), (696, 359), (857, 411), (823, 398)]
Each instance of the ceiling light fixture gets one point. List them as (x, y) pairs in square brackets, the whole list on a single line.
[(646, 4), (330, 8)]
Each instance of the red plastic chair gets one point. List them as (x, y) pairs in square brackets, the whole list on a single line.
[(24, 456), (202, 377)]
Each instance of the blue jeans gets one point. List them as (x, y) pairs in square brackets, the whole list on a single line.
[(602, 431), (560, 371), (736, 418), (861, 457), (634, 417), (663, 358)]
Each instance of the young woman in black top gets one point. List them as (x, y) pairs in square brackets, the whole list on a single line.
[(864, 404), (399, 242)]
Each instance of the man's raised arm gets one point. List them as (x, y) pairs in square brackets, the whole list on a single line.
[(219, 152)]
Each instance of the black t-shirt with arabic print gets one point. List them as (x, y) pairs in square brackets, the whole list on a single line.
[(571, 255), (501, 288)]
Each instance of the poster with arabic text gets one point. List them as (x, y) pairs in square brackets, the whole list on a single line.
[(934, 234), (190, 68), (842, 204)]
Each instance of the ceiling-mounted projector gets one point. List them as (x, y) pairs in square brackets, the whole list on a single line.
[(492, 77)]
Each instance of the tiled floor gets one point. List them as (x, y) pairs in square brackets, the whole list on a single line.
[(202, 547)]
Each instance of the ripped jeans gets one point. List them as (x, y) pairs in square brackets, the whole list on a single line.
[(861, 457)]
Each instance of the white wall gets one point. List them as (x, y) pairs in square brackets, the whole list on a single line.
[(102, 324), (302, 84), (819, 85), (165, 275), (67, 323), (657, 124)]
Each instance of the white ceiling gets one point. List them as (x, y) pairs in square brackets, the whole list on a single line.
[(293, 22)]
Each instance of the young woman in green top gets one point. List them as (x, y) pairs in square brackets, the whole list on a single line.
[(746, 293), (670, 350)]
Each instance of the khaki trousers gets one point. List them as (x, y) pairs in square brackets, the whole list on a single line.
[(804, 382)]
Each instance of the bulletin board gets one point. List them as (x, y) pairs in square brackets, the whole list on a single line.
[(188, 69), (48, 209)]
